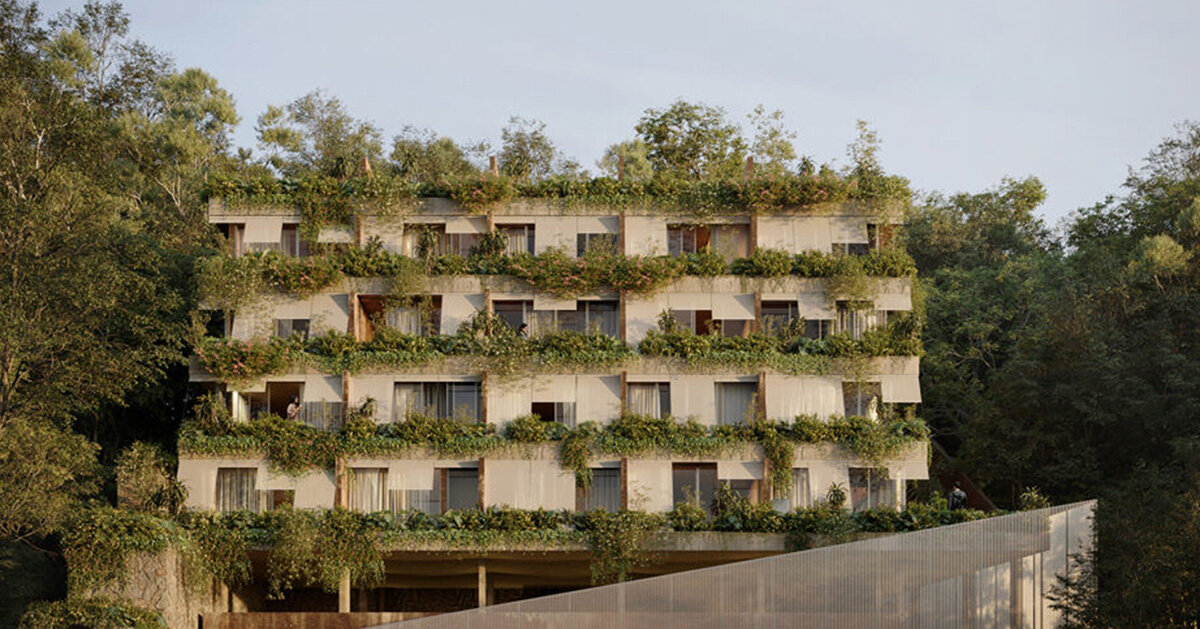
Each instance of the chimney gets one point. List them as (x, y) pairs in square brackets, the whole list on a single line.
[(621, 167), (493, 167), (366, 166)]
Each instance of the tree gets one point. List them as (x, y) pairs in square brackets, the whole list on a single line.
[(637, 164), (423, 156), (692, 140), (45, 472), (526, 151), (314, 134), (772, 146)]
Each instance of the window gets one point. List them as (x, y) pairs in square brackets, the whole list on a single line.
[(514, 313), (290, 241), (600, 243), (604, 492), (461, 488), (778, 315), (235, 489), (728, 241), (368, 489), (458, 244), (649, 398), (862, 399), (818, 328), (518, 238), (235, 237), (694, 482), (558, 412), (273, 499), (732, 327), (698, 321), (870, 488), (424, 500), (735, 402), (423, 318), (445, 400), (801, 495), (851, 248), (589, 317), (685, 239), (854, 318), (422, 240), (288, 327)]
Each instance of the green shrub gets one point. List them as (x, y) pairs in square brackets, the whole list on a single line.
[(687, 516), (91, 612)]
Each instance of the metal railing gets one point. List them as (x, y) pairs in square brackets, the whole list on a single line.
[(987, 573)]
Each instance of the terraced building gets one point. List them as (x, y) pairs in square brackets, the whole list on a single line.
[(567, 352)]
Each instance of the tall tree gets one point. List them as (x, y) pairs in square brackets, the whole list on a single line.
[(526, 151), (772, 146), (692, 140), (423, 156), (637, 163), (314, 134)]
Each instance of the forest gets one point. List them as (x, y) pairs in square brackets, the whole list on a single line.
[(1059, 357)]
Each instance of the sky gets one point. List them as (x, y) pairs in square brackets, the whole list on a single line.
[(961, 93)]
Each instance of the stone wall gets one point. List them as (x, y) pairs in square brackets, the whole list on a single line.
[(157, 582)]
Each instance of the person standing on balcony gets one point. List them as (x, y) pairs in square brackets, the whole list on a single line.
[(293, 409)]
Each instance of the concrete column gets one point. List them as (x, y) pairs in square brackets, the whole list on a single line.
[(483, 588), (624, 392)]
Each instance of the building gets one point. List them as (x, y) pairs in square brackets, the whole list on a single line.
[(820, 383)]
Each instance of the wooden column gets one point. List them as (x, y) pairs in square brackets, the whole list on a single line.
[(621, 319), (624, 482), (753, 237), (482, 494), (621, 232), (757, 326), (347, 379), (760, 404), (485, 384), (354, 308), (765, 490)]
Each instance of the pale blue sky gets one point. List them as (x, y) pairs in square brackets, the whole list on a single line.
[(962, 93)]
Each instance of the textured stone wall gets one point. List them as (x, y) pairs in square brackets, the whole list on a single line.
[(157, 582)]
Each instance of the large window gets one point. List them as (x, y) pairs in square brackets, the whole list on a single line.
[(421, 318), (291, 243), (818, 328), (862, 399), (590, 316), (292, 327), (728, 241), (735, 402), (604, 492), (801, 495), (558, 412), (871, 488), (368, 489), (518, 238), (695, 483), (600, 243), (649, 398), (854, 318), (446, 400), (461, 489), (236, 489)]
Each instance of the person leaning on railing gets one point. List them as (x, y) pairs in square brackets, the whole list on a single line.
[(293, 409)]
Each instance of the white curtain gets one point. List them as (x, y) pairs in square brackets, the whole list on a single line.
[(406, 320), (644, 399), (240, 407), (235, 489), (368, 489), (605, 492), (734, 402), (801, 493), (406, 397)]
